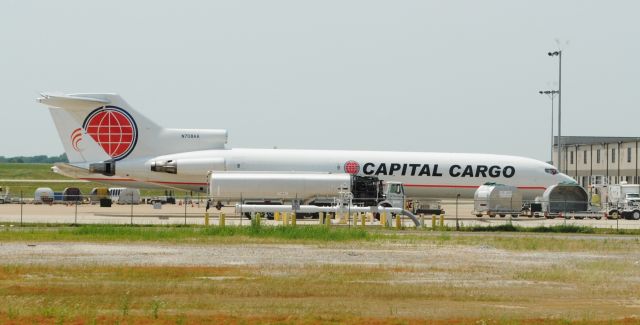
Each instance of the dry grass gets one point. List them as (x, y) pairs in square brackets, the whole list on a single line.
[(579, 290)]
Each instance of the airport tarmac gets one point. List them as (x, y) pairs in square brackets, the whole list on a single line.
[(194, 214)]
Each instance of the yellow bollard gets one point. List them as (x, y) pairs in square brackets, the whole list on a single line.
[(285, 218), (327, 219), (433, 222), (442, 221), (422, 220), (343, 218), (258, 217), (206, 218), (221, 221), (370, 217), (363, 218), (320, 218), (276, 216), (383, 219), (293, 219), (398, 221)]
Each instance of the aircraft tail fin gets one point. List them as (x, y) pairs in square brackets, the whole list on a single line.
[(100, 127)]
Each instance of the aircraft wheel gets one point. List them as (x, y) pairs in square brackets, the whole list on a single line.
[(479, 215), (503, 215), (635, 215), (614, 214)]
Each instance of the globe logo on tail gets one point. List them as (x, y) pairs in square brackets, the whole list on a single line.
[(113, 129)]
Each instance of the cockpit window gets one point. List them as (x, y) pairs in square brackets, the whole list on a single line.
[(551, 171)]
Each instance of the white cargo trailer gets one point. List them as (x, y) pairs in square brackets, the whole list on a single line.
[(43, 195), (568, 200)]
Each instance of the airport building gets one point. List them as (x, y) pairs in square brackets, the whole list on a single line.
[(612, 158)]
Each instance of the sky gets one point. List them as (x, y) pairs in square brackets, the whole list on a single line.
[(445, 76)]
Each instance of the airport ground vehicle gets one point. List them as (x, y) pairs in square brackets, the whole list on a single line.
[(4, 195), (43, 195), (567, 200), (98, 193), (317, 189), (497, 200), (168, 198), (71, 194), (622, 200), (124, 195)]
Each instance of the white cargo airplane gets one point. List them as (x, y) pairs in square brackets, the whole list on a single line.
[(107, 141)]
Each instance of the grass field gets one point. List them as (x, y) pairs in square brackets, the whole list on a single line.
[(28, 171), (308, 294), (319, 234), (532, 279)]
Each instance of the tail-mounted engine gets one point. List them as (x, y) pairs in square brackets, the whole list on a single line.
[(107, 168)]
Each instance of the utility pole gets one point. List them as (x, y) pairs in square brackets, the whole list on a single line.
[(551, 94), (559, 55)]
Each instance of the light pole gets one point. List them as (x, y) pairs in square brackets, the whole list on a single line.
[(559, 55), (552, 95)]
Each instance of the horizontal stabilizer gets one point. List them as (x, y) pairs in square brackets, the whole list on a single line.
[(71, 101)]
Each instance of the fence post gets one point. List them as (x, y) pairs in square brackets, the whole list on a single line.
[(221, 222), (185, 209), (21, 204), (132, 208)]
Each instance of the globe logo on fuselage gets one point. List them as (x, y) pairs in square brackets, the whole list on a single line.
[(113, 129), (352, 167)]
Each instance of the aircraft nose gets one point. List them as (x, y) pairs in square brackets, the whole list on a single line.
[(565, 178)]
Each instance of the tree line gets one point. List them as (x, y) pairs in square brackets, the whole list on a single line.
[(40, 159)]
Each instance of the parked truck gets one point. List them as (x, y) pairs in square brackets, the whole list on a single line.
[(622, 200), (318, 189), (4, 195)]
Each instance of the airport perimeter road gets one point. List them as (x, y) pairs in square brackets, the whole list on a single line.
[(175, 214)]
